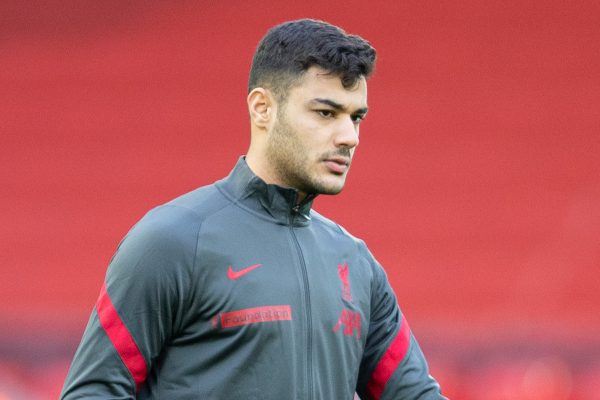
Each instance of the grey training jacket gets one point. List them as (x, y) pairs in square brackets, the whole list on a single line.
[(234, 292)]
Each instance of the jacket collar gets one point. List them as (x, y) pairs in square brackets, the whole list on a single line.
[(249, 191)]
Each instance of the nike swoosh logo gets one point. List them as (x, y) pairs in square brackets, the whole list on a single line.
[(233, 275)]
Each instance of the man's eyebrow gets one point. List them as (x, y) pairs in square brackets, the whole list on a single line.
[(339, 107)]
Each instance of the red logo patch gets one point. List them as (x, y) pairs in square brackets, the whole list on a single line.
[(256, 315), (351, 321), (346, 293)]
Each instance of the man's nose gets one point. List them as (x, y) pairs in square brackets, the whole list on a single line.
[(347, 133)]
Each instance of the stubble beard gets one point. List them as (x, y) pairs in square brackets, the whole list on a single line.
[(291, 162)]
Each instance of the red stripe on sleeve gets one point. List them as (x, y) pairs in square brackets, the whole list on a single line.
[(390, 361), (121, 338)]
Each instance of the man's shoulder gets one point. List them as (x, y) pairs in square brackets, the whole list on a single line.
[(176, 224), (184, 212), (334, 228), (202, 201)]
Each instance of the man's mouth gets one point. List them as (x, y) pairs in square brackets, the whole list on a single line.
[(338, 164)]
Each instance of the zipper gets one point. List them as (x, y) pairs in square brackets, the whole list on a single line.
[(306, 301)]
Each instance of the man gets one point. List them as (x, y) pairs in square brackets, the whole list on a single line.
[(239, 290)]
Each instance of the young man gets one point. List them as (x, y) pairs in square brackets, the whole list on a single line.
[(239, 290)]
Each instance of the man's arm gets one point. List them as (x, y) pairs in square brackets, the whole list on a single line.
[(393, 366), (138, 310)]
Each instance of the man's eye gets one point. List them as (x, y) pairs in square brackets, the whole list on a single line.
[(326, 113), (357, 118)]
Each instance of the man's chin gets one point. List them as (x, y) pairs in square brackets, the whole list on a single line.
[(330, 189), (331, 192)]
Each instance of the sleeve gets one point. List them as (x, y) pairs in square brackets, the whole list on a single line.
[(393, 366), (140, 307)]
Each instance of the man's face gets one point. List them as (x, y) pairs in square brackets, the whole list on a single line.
[(313, 139)]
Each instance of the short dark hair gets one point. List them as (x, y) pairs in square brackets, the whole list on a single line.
[(291, 48)]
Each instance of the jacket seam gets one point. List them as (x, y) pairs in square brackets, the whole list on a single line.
[(195, 268)]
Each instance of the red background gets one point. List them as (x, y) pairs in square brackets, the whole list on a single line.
[(476, 184)]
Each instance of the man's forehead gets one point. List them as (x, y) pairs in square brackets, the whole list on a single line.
[(321, 74), (318, 83)]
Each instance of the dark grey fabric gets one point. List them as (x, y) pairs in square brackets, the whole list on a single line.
[(169, 284)]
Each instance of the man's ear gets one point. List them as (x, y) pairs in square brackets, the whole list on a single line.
[(261, 106)]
